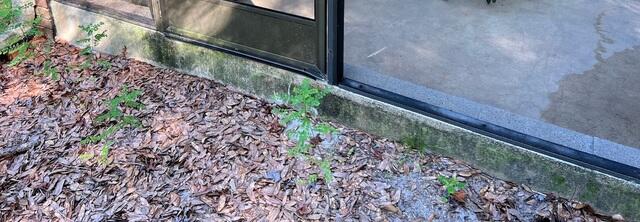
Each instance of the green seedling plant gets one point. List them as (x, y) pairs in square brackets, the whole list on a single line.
[(86, 156), (48, 68), (25, 29), (325, 169), (50, 71), (104, 152), (93, 35), (104, 64), (451, 185), (115, 116), (304, 100), (311, 179), (415, 143), (326, 129)]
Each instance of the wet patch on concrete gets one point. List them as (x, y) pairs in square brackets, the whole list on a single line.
[(510, 56), (603, 102)]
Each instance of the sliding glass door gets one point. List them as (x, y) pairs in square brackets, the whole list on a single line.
[(290, 33)]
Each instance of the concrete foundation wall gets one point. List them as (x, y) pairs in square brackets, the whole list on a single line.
[(606, 193)]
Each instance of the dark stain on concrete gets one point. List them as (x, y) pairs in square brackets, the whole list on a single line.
[(601, 49), (603, 102), (160, 49)]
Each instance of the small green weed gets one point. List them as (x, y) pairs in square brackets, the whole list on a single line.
[(304, 100), (325, 169), (10, 20), (104, 152), (49, 71), (451, 185), (415, 143), (325, 128), (126, 99), (23, 53), (93, 35), (104, 64), (86, 156), (311, 179)]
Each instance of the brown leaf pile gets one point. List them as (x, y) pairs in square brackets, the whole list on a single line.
[(207, 152)]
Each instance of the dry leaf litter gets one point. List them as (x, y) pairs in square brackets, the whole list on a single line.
[(207, 152)]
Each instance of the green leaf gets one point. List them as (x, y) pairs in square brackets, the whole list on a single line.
[(86, 156), (327, 174), (104, 64), (98, 37), (86, 51), (102, 118), (23, 54), (85, 65), (104, 152), (50, 71), (84, 40), (313, 178), (451, 185), (325, 128), (131, 121)]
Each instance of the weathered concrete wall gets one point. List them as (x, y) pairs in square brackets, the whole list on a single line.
[(506, 161)]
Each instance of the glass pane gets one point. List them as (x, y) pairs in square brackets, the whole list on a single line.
[(270, 35), (564, 71), (303, 8), (134, 7)]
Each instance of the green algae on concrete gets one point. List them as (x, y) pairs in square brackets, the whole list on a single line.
[(503, 160), (497, 158), (154, 47)]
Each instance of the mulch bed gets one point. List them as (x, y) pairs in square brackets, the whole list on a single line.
[(207, 152)]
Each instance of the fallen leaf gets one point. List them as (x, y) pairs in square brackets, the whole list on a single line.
[(459, 196), (391, 208)]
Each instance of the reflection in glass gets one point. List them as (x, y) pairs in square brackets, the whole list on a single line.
[(303, 8), (563, 71)]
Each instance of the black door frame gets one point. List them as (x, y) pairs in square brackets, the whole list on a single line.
[(316, 70)]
